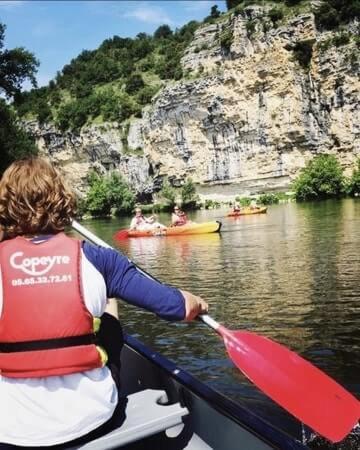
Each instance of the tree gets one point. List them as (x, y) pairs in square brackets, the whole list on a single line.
[(108, 194), (164, 31), (168, 193), (332, 13), (232, 3), (14, 142), (16, 66), (214, 12), (134, 83), (354, 182), (321, 178), (145, 95), (188, 194)]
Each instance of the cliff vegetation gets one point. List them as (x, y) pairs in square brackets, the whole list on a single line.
[(115, 81), (16, 65)]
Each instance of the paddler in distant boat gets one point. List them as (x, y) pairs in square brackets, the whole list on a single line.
[(142, 223), (236, 208), (253, 205), (178, 217)]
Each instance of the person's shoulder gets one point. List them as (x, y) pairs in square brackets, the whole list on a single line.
[(106, 260)]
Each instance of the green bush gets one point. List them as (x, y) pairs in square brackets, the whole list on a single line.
[(226, 39), (134, 83), (168, 193), (189, 197), (163, 32), (341, 39), (72, 115), (43, 112), (303, 53), (321, 178), (275, 15), (145, 94), (14, 142), (353, 187), (233, 3), (108, 193), (211, 204), (330, 14), (244, 201), (268, 199), (250, 27)]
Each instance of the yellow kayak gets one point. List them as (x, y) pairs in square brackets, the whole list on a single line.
[(191, 228), (247, 211)]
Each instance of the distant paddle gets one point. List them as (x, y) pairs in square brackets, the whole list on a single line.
[(121, 234), (294, 383)]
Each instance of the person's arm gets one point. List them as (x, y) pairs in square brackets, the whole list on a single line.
[(123, 280), (149, 219)]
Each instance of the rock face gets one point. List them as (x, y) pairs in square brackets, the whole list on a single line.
[(255, 115), (100, 148), (250, 113)]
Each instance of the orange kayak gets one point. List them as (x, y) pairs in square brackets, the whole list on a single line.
[(247, 211), (191, 228)]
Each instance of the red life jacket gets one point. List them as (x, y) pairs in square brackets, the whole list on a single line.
[(45, 327)]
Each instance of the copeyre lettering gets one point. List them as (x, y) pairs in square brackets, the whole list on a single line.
[(36, 265)]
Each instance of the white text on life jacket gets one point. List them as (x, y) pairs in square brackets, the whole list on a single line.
[(37, 265)]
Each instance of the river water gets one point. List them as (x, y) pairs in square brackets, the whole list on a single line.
[(291, 274)]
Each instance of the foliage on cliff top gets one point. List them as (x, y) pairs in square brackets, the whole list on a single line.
[(113, 81), (329, 15), (233, 3), (16, 65), (332, 13)]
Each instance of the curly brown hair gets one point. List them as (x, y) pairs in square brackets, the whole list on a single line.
[(34, 199)]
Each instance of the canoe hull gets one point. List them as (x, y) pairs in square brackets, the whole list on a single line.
[(248, 212), (213, 421), (184, 230)]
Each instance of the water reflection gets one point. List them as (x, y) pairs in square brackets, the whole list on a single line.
[(291, 274)]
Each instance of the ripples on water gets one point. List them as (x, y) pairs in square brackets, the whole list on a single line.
[(291, 274)]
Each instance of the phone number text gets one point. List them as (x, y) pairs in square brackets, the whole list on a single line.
[(41, 280)]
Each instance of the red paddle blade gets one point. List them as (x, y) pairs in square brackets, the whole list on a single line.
[(121, 234), (294, 383)]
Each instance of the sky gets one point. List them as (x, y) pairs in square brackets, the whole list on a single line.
[(57, 31)]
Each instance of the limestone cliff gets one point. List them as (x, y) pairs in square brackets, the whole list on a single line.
[(100, 148), (254, 115), (252, 110)]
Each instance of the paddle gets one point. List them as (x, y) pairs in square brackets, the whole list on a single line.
[(121, 234), (294, 383)]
